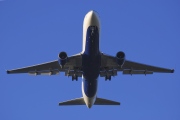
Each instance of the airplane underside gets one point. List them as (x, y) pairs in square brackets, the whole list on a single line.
[(90, 64)]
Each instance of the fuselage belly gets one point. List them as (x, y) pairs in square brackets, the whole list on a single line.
[(90, 57)]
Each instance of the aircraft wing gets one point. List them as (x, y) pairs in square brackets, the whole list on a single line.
[(109, 66), (52, 68), (39, 68)]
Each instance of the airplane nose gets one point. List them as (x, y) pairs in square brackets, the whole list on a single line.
[(92, 19), (93, 14)]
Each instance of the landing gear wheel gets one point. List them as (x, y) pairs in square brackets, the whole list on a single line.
[(108, 78), (74, 77)]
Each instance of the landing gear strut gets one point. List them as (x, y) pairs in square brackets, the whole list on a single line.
[(74, 77), (108, 78)]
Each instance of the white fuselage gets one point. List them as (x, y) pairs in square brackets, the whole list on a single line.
[(91, 19)]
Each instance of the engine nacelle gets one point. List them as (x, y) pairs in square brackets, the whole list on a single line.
[(120, 58), (62, 58)]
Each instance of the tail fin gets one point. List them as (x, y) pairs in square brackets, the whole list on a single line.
[(101, 101), (77, 101)]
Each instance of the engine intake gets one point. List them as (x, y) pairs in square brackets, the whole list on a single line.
[(120, 58), (62, 58)]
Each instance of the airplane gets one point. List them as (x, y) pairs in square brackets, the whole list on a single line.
[(90, 64)]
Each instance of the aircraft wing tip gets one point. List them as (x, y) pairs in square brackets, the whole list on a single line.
[(172, 71), (7, 71)]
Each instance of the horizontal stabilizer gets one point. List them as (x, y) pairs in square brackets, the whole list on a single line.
[(77, 101), (101, 101)]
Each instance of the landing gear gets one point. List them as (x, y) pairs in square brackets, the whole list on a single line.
[(108, 78), (74, 77)]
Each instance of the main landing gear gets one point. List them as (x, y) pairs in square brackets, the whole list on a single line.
[(74, 77), (108, 78)]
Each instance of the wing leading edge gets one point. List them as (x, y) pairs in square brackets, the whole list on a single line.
[(108, 64), (52, 67), (139, 66)]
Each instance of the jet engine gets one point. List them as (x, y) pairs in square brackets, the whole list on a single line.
[(120, 58), (62, 58)]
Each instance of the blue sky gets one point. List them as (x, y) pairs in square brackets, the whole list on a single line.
[(35, 31)]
